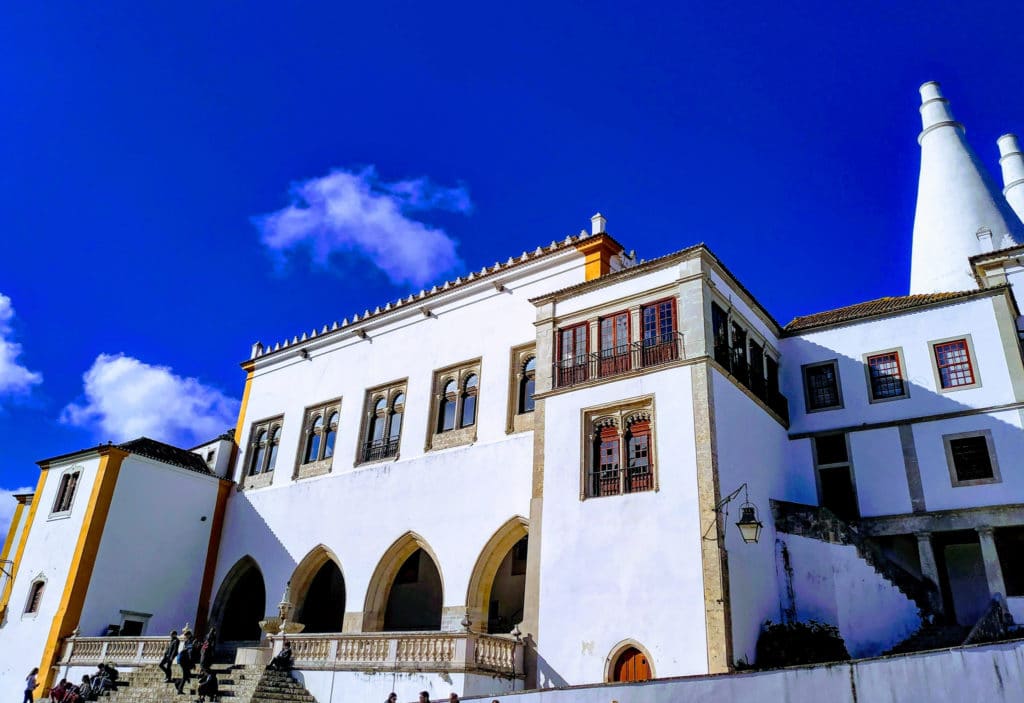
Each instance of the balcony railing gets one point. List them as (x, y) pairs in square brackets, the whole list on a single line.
[(750, 377), (380, 449), (614, 361), (122, 651), (414, 651)]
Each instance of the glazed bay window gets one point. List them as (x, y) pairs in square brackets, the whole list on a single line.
[(620, 458), (264, 441), (821, 386), (382, 422), (954, 366), (971, 457), (659, 332), (885, 375), (521, 387), (319, 433), (455, 398)]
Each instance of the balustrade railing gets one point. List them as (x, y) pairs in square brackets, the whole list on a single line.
[(614, 361), (380, 449), (417, 651), (120, 651)]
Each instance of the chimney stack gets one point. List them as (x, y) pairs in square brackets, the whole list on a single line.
[(597, 224), (1012, 162)]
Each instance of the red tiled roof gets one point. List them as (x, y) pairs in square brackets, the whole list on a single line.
[(871, 308)]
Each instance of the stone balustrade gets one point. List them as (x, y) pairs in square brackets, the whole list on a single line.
[(378, 651), (414, 651), (119, 651)]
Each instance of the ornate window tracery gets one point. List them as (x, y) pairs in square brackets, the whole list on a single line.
[(382, 422), (320, 431), (456, 396), (621, 451), (265, 439)]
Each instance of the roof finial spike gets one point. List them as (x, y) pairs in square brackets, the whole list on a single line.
[(334, 326), (344, 322)]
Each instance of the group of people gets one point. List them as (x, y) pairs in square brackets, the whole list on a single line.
[(188, 652), (91, 687), (425, 698)]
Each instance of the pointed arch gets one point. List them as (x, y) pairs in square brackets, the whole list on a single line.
[(241, 602), (379, 590), (493, 554), (319, 575)]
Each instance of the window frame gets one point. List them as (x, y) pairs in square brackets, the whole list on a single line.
[(848, 465), (900, 361), (265, 475), (67, 475), (807, 388), (620, 416), (322, 464), (389, 392), (516, 421), (972, 361), (578, 366), (611, 365), (459, 433), (36, 591), (664, 349), (954, 478)]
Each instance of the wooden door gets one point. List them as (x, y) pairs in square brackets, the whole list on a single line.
[(632, 666)]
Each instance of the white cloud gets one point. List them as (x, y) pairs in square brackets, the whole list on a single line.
[(356, 212), (14, 378), (7, 506), (126, 398)]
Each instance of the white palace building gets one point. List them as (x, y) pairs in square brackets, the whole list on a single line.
[(531, 476)]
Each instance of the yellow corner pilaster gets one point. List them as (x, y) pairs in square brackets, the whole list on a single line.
[(6, 596)]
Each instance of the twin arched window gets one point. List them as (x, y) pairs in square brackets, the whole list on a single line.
[(621, 458), (321, 432), (266, 439), (456, 404), (66, 491), (386, 409)]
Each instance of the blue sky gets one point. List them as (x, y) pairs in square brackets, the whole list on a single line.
[(181, 179)]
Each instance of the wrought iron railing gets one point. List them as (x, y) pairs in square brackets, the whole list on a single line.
[(613, 361), (380, 449)]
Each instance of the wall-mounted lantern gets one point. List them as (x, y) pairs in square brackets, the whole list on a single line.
[(749, 525)]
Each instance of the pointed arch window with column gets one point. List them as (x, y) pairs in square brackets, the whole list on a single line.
[(382, 422), (261, 460), (620, 456), (319, 432), (521, 387)]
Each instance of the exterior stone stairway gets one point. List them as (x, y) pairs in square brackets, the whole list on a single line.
[(237, 684), (932, 637), (816, 522)]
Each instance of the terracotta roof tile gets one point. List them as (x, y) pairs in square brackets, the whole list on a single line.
[(871, 308), (144, 446)]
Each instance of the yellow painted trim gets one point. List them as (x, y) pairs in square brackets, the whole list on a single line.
[(15, 521), (245, 405), (212, 550), (82, 562), (597, 255), (5, 598)]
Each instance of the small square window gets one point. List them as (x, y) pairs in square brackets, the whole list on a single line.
[(954, 365), (821, 386), (886, 380), (972, 458)]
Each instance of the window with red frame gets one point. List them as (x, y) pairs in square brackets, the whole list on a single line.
[(604, 479), (886, 375), (953, 361), (659, 332), (572, 355), (638, 440), (614, 343)]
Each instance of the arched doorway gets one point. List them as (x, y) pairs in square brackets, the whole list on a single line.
[(497, 585), (631, 665), (414, 602), (241, 603), (404, 579), (318, 590)]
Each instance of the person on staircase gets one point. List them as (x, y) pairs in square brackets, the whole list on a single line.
[(186, 659), (283, 660), (206, 651), (207, 685), (31, 683), (170, 652), (59, 692)]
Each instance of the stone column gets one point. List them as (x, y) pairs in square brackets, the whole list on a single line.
[(929, 569), (993, 569)]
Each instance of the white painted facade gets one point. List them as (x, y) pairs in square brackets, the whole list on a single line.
[(670, 367)]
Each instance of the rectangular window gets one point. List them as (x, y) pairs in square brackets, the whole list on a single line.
[(1009, 546), (659, 332), (572, 364), (615, 349), (720, 331), (621, 454), (971, 457), (66, 492), (757, 382), (835, 476), (953, 365), (638, 477), (821, 386), (739, 355), (885, 375), (606, 479)]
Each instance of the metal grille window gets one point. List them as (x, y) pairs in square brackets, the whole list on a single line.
[(622, 457), (886, 376), (821, 386), (971, 458), (953, 361)]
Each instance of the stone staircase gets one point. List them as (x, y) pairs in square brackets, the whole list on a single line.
[(237, 684), (932, 637)]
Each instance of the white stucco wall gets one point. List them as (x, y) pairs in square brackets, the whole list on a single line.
[(621, 567), (832, 584), (879, 472), (991, 673), (153, 551), (48, 553), (358, 687)]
